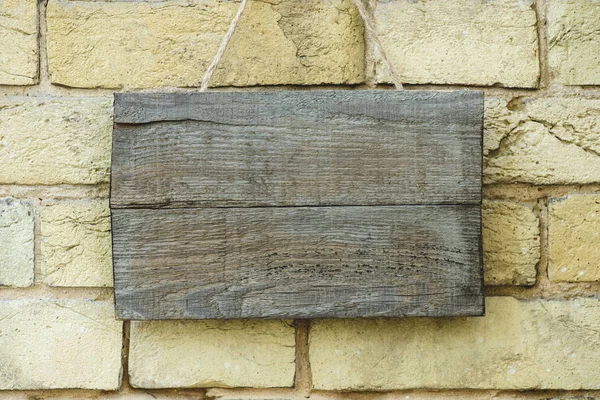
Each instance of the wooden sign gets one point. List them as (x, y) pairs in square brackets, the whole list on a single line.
[(297, 204)]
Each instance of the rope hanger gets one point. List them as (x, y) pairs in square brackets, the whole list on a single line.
[(368, 22)]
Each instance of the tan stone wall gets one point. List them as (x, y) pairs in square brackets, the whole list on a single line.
[(538, 62)]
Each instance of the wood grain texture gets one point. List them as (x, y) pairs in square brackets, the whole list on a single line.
[(297, 262), (297, 204), (225, 149)]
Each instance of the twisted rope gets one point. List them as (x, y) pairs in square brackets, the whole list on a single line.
[(368, 22), (213, 65)]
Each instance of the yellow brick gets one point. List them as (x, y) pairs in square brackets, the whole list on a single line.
[(511, 243), (574, 238), (211, 354), (517, 345), (18, 42), (171, 43), (52, 141), (473, 42), (16, 243), (76, 243), (542, 141), (55, 344), (574, 41)]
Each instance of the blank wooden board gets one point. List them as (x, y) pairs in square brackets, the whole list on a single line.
[(305, 204)]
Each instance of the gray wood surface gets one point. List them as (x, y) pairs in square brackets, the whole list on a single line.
[(225, 149), (303, 204), (297, 262)]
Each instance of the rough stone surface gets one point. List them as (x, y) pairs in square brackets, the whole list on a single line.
[(171, 43), (52, 141), (538, 344), (511, 243), (16, 243), (211, 354), (149, 395), (542, 141), (574, 41), (76, 243), (18, 42), (473, 42), (48, 344), (574, 238)]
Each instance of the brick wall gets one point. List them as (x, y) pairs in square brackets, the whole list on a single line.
[(538, 63)]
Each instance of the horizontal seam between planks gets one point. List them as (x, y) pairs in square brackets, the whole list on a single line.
[(466, 131), (174, 207)]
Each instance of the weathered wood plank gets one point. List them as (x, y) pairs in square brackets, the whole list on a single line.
[(297, 148), (297, 262), (282, 108)]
